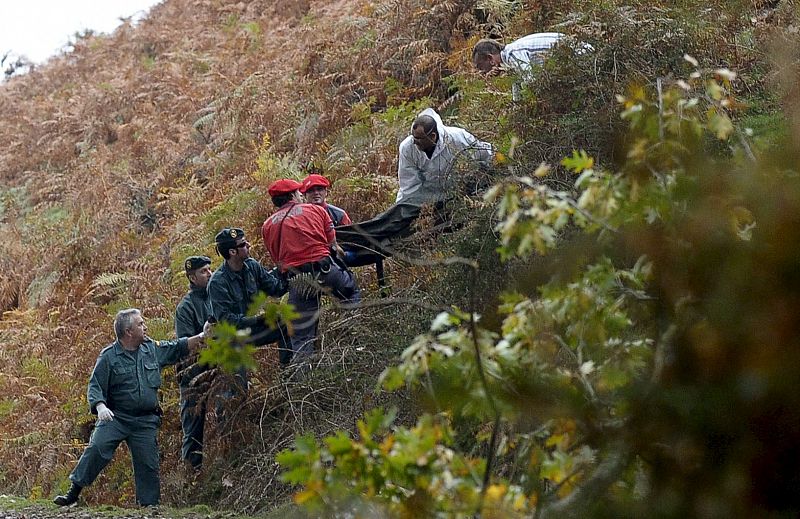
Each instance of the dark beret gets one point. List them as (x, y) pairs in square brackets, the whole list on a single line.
[(196, 262), (226, 238)]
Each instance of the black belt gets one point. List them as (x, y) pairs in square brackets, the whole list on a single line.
[(323, 265)]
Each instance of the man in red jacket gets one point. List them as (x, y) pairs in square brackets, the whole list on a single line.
[(299, 237)]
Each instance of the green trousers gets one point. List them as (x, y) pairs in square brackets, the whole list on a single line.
[(141, 435)]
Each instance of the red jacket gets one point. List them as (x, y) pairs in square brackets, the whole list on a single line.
[(297, 234)]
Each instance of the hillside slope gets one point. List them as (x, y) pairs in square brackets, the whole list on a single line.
[(127, 154)]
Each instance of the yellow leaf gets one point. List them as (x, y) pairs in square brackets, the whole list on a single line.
[(560, 441), (715, 90), (496, 492), (387, 444), (499, 158), (542, 171), (720, 124), (303, 496), (566, 488)]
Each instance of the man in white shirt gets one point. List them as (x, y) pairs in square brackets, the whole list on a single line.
[(519, 55), (425, 164), (426, 157)]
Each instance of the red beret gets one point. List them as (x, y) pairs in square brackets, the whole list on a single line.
[(314, 180), (283, 186)]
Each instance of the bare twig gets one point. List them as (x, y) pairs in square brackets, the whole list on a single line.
[(482, 375)]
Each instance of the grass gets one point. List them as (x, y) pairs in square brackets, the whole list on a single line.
[(45, 507)]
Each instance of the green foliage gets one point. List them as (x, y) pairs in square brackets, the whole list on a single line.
[(586, 353), (14, 200), (121, 303), (273, 313), (271, 167), (111, 282), (148, 62), (160, 328), (231, 211), (228, 349), (7, 406), (404, 471), (231, 349), (254, 33)]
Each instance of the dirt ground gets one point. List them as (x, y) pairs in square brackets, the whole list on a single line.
[(19, 508)]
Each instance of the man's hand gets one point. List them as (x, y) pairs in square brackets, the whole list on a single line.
[(104, 414), (208, 327), (336, 248)]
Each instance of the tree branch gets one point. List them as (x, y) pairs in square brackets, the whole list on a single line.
[(604, 475)]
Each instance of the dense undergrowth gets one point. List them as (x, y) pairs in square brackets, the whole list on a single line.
[(125, 155)]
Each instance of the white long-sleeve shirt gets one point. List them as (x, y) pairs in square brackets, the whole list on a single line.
[(531, 49), (415, 169)]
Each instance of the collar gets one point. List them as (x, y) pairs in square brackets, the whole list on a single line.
[(120, 350), (196, 290), (289, 205), (229, 273)]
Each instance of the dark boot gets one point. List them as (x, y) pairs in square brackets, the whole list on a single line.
[(70, 497)]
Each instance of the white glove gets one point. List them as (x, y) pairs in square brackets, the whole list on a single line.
[(104, 414), (207, 329)]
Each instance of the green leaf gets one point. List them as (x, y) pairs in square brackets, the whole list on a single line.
[(578, 162), (720, 124), (339, 444), (391, 379)]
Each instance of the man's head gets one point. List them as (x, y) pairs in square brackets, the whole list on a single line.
[(424, 133), (315, 188), (486, 55), (198, 270), (232, 245), (129, 326), (284, 191)]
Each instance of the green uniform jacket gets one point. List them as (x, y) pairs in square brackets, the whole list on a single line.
[(232, 292), (190, 316), (192, 312), (128, 382)]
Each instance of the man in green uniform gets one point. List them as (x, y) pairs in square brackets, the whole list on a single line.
[(190, 316), (123, 392), (234, 285)]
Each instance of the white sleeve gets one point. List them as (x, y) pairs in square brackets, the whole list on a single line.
[(481, 152), (407, 171), (520, 60)]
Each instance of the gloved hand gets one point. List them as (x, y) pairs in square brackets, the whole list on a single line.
[(208, 327), (104, 414)]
